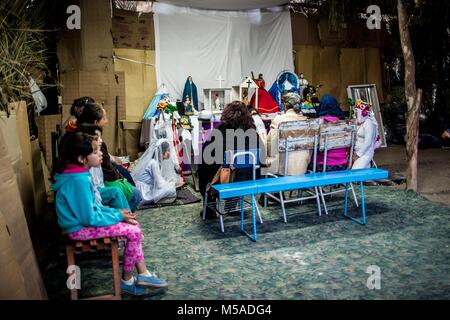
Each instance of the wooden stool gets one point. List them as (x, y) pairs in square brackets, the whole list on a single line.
[(109, 243)]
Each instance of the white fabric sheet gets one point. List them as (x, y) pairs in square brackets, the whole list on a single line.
[(226, 4), (207, 44)]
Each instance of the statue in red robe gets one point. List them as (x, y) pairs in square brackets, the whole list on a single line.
[(266, 104)]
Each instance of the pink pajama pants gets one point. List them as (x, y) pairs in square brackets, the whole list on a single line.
[(133, 249)]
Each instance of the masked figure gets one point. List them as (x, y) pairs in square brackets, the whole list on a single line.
[(367, 139)]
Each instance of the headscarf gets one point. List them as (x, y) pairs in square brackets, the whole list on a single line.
[(293, 100), (329, 107), (154, 152)]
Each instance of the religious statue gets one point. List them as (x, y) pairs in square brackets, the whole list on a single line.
[(303, 83), (190, 89), (188, 108), (245, 97), (266, 103), (217, 104)]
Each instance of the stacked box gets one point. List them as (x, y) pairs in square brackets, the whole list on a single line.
[(106, 88), (47, 125), (133, 30)]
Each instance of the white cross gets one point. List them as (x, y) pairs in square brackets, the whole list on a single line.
[(220, 81)]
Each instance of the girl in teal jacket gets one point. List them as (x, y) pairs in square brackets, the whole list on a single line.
[(83, 218)]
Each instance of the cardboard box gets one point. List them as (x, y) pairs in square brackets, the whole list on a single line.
[(21, 248), (12, 285), (41, 180), (133, 31), (8, 127), (131, 132), (47, 125), (25, 177), (106, 88)]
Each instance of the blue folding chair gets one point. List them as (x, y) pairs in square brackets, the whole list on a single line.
[(239, 159), (337, 135), (296, 136)]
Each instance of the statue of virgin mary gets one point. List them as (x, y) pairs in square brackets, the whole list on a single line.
[(190, 90)]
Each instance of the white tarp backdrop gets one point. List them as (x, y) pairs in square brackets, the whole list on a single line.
[(207, 44), (226, 4)]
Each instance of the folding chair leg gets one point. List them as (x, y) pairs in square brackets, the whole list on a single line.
[(323, 200), (318, 202), (221, 223), (259, 213), (354, 195), (242, 213), (300, 195), (205, 202), (265, 200), (282, 206), (346, 200)]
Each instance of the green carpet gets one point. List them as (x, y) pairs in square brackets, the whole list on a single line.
[(310, 257)]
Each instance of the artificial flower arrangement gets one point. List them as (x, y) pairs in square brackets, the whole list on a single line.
[(166, 105)]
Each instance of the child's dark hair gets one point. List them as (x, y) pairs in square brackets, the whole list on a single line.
[(75, 145), (78, 105), (91, 112), (252, 110), (89, 128), (165, 146)]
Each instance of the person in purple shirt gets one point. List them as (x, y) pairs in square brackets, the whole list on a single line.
[(330, 111)]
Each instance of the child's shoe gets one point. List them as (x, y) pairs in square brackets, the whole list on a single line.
[(131, 288), (150, 280)]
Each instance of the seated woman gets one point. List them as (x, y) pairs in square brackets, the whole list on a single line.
[(235, 116), (297, 160), (329, 111), (156, 175), (70, 124)]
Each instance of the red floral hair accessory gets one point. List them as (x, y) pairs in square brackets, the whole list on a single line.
[(363, 106)]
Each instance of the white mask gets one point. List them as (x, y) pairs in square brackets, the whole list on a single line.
[(359, 117)]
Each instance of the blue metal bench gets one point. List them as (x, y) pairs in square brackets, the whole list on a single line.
[(252, 188)]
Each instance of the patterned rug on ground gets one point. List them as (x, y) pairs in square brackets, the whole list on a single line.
[(407, 238), (184, 196)]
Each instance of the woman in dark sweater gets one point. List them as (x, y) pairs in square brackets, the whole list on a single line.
[(228, 137)]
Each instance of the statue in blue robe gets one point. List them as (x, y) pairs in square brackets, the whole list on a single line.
[(190, 89)]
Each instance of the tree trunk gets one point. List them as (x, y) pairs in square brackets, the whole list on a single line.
[(413, 98)]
